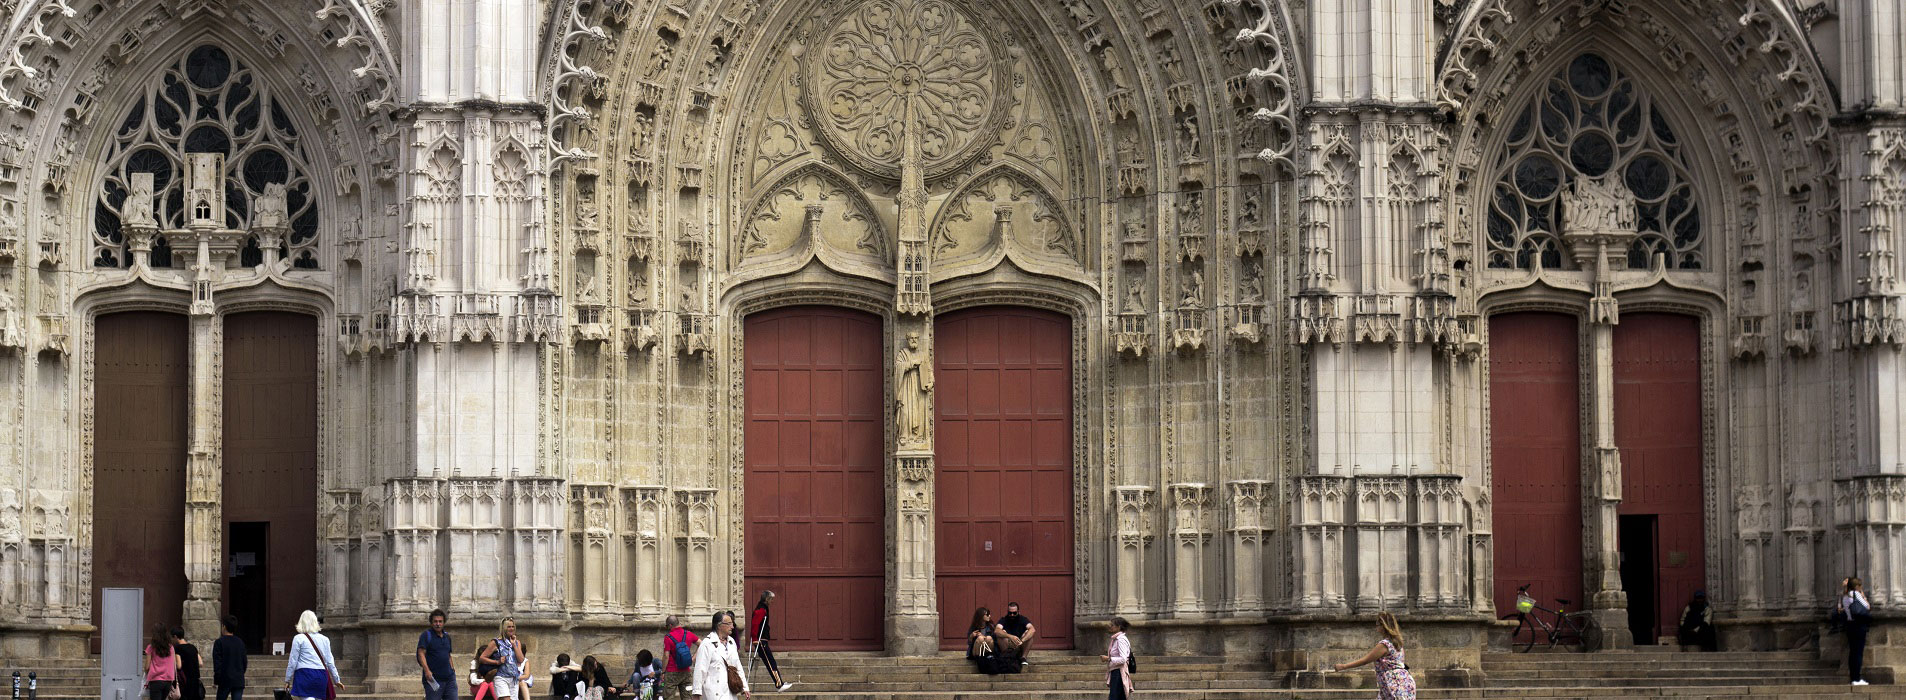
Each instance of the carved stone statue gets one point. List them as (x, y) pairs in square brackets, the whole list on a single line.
[(139, 204), (268, 210), (1135, 295), (1251, 291), (914, 392), (1598, 205), (1191, 292)]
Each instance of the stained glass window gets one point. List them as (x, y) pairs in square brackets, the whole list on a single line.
[(207, 102), (1591, 120)]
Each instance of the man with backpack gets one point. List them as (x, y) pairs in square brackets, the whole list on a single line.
[(678, 649)]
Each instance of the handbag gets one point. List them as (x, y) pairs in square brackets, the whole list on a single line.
[(173, 694), (735, 686), (330, 683)]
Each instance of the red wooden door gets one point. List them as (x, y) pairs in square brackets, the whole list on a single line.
[(1535, 457), (271, 458), (1003, 481), (1658, 429), (141, 367), (816, 510)]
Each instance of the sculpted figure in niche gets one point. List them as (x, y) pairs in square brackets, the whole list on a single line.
[(1252, 291), (915, 390), (139, 203), (1191, 293), (268, 211), (1135, 295), (1188, 136)]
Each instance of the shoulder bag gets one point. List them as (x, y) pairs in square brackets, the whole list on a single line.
[(173, 693), (735, 686), (331, 683)]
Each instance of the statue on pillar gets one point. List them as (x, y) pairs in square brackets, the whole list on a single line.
[(914, 389), (268, 210), (139, 202)]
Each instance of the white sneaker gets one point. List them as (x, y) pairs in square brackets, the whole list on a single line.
[(1859, 682), (785, 686)]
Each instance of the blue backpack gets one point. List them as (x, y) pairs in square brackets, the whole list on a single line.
[(679, 652)]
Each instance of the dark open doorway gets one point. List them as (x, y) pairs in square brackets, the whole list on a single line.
[(1641, 575), (248, 581)]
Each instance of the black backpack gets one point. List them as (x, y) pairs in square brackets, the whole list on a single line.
[(1131, 663)]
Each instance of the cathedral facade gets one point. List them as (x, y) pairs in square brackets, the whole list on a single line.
[(1242, 319)]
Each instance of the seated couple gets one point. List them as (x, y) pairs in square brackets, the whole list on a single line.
[(999, 646)]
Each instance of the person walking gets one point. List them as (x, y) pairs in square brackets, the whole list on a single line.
[(678, 651), (718, 674), (507, 653), (758, 640), (1118, 659), (1859, 614), (229, 662), (1697, 625), (309, 671), (162, 665), (191, 663), (433, 656), (1394, 681)]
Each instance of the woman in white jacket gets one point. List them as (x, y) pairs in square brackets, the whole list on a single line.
[(718, 651)]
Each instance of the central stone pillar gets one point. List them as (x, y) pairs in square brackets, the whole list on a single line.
[(912, 607), (1600, 215)]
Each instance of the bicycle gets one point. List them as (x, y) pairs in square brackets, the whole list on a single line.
[(1570, 629)]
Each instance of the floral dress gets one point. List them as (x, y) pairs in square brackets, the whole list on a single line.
[(1393, 677)]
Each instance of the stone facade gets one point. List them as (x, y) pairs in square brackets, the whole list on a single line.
[(538, 226)]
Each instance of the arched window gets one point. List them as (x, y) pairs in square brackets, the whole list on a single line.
[(1591, 120), (207, 102)]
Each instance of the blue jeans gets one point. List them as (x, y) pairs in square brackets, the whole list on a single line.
[(446, 690)]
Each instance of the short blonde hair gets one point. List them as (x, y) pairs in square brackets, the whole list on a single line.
[(504, 625), (308, 623)]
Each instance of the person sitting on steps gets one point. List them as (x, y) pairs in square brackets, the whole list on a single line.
[(1016, 633)]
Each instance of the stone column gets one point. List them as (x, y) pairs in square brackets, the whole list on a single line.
[(1190, 536), (913, 610), (1601, 216), (204, 478), (1382, 543), (1247, 543)]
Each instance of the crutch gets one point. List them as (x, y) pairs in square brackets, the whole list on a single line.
[(754, 647)]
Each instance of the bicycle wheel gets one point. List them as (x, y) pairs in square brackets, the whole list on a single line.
[(1526, 634), (1572, 632)]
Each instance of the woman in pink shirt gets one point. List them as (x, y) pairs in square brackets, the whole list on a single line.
[(162, 666)]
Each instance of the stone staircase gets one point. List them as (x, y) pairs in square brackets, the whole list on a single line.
[(1075, 676)]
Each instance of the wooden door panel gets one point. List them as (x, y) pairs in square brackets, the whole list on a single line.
[(1658, 429), (1003, 481), (271, 451), (142, 367), (813, 486), (1535, 456)]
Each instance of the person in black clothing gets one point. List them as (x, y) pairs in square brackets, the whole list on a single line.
[(1017, 634), (563, 677), (980, 642), (191, 683), (228, 662), (1697, 624), (596, 678)]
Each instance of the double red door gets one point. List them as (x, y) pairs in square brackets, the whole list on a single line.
[(816, 515), (1658, 429), (1003, 482), (1535, 457)]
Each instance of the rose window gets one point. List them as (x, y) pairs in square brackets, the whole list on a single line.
[(1591, 121), (885, 53), (207, 102)]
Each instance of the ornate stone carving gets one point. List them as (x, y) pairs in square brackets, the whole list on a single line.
[(883, 53), (913, 395)]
